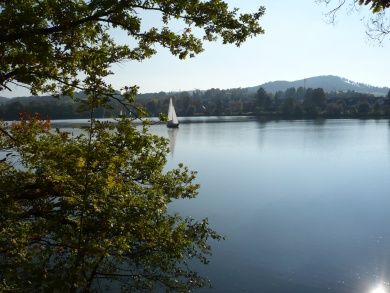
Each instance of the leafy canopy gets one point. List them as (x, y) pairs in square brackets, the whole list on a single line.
[(81, 209), (375, 5), (79, 212), (76, 210), (61, 46)]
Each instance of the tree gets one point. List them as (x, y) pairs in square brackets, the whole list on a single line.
[(152, 106), (364, 109), (263, 100), (318, 98), (288, 106), (333, 110), (75, 210), (63, 46), (377, 111), (314, 101), (290, 93), (94, 207), (301, 93), (378, 27), (376, 6)]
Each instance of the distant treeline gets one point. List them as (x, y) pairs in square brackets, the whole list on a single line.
[(292, 103)]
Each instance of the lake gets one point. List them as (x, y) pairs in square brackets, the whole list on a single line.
[(304, 205)]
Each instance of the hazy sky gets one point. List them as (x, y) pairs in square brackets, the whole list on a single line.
[(298, 43)]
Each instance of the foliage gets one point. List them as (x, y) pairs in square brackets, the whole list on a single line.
[(288, 106), (315, 99), (62, 46), (376, 5), (378, 26), (364, 109), (77, 210), (263, 100), (215, 102)]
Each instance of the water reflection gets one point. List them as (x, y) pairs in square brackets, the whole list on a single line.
[(379, 289), (304, 205), (172, 133)]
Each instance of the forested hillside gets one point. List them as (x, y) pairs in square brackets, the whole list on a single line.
[(291, 103), (328, 83)]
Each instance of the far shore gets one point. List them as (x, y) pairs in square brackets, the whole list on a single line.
[(210, 119)]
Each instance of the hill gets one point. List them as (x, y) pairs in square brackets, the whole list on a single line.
[(329, 83)]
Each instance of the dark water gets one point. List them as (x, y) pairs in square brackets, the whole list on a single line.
[(304, 205)]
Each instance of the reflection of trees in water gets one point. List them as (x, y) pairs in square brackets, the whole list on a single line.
[(388, 133), (172, 133)]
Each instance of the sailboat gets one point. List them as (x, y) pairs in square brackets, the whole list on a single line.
[(172, 118)]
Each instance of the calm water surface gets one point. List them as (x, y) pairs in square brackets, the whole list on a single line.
[(304, 205)]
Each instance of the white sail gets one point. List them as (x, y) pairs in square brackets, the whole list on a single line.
[(172, 113)]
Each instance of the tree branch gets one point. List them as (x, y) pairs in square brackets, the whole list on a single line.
[(71, 25), (51, 30), (6, 133)]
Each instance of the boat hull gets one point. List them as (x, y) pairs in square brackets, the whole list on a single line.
[(172, 125)]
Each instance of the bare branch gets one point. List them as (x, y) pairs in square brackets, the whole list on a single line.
[(333, 12), (378, 25), (6, 133), (21, 85)]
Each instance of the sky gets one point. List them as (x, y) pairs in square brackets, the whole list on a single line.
[(298, 43)]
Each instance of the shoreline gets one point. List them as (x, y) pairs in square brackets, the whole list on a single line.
[(212, 119)]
